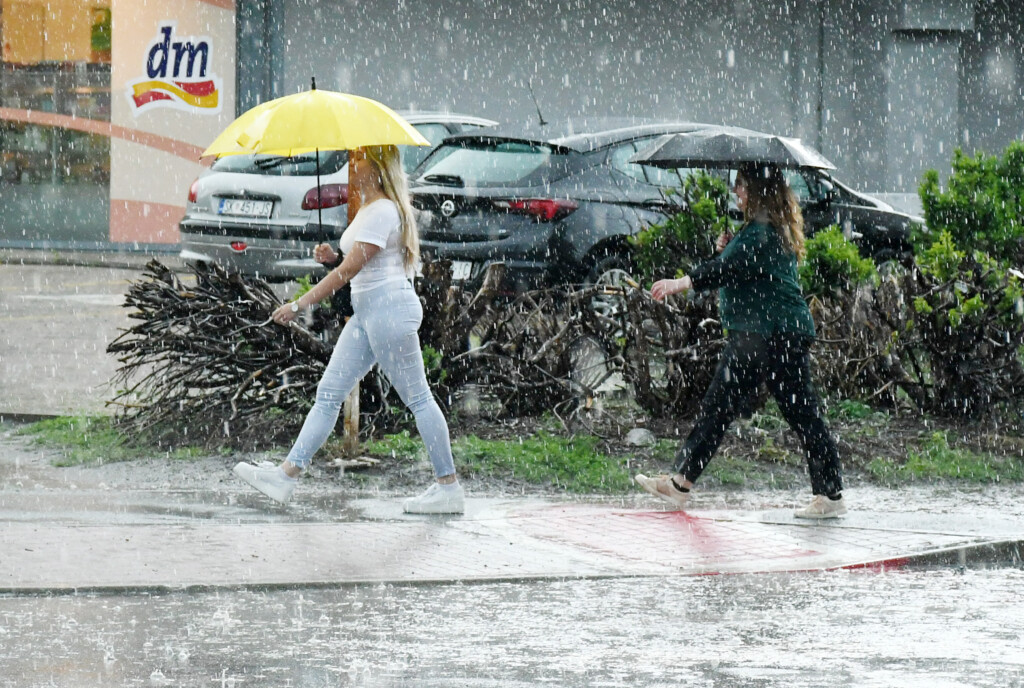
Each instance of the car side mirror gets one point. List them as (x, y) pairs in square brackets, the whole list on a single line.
[(828, 192)]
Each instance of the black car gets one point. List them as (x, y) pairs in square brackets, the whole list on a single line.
[(559, 208)]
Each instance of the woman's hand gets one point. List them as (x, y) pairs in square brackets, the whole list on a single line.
[(284, 314), (663, 288), (325, 254), (723, 240)]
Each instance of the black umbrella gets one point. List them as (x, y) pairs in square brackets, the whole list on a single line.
[(715, 148)]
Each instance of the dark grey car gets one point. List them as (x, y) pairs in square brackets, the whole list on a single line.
[(559, 208)]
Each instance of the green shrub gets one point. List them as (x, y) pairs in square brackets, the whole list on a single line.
[(982, 206), (698, 213), (977, 286), (833, 265)]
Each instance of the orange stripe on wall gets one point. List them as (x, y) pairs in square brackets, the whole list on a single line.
[(145, 222), (226, 4), (182, 149)]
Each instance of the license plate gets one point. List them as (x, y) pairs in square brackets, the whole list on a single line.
[(461, 269), (241, 206)]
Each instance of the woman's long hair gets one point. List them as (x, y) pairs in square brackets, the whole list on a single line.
[(769, 194), (393, 180)]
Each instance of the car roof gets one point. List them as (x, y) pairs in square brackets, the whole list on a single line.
[(424, 116), (584, 136)]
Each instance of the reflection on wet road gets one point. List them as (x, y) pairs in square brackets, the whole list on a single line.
[(920, 628)]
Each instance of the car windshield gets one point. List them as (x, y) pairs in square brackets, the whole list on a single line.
[(303, 165), (487, 163)]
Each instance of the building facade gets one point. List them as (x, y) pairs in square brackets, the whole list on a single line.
[(105, 107)]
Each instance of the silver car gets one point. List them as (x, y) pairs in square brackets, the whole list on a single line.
[(261, 215)]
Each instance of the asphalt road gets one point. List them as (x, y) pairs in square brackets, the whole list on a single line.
[(55, 324), (56, 321)]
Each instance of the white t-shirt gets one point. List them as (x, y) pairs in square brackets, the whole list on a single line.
[(380, 224)]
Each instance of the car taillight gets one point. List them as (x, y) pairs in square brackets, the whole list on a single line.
[(544, 209), (331, 195), (193, 191)]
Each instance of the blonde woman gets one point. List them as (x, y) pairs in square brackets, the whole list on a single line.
[(381, 248), (769, 333)]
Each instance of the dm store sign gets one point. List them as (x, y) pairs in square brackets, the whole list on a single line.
[(177, 75)]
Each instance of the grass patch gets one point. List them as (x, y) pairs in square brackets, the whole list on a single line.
[(851, 410), (397, 445), (574, 464), (82, 440), (737, 471), (935, 459)]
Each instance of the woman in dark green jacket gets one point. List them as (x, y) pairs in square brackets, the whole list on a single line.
[(769, 333)]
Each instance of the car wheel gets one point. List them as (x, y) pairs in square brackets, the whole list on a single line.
[(589, 367), (610, 271)]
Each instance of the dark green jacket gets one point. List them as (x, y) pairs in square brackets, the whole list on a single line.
[(759, 290)]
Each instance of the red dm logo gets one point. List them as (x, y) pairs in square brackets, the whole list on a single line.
[(177, 75)]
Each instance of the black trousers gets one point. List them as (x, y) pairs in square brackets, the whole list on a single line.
[(783, 362)]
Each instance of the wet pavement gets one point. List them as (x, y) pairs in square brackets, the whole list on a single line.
[(496, 540), (153, 573), (213, 585), (55, 324)]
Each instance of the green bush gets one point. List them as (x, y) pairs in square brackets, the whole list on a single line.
[(833, 265), (978, 286), (982, 206), (698, 213)]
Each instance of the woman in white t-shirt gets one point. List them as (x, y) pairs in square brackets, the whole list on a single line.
[(381, 248)]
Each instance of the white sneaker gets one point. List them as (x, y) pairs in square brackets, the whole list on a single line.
[(438, 499), (661, 486), (268, 478), (822, 507)]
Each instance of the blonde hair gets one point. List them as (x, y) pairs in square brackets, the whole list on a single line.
[(392, 178), (769, 194)]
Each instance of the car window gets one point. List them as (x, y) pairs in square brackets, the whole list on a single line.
[(464, 126), (484, 163), (412, 156), (802, 182), (800, 186), (665, 178), (658, 176), (276, 165), (617, 158)]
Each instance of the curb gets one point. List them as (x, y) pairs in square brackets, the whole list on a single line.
[(25, 418), (89, 259)]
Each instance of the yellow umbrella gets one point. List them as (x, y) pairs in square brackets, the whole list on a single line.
[(226, 142), (312, 121)]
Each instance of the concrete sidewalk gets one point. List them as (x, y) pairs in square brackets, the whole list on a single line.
[(55, 536), (233, 547)]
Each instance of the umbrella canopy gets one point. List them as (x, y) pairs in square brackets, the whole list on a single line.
[(715, 148), (312, 121)]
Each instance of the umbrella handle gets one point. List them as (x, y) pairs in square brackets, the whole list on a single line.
[(319, 203)]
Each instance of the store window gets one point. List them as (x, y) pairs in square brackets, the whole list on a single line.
[(54, 87)]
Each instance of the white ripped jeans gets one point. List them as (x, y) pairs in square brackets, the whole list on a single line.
[(383, 330)]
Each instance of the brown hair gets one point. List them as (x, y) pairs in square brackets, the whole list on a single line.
[(769, 194), (392, 178)]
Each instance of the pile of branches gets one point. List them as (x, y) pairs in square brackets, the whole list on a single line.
[(907, 337), (547, 350), (205, 365), (968, 334), (671, 350), (859, 353)]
